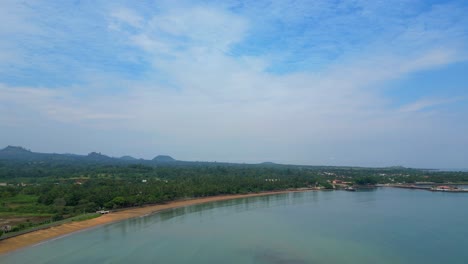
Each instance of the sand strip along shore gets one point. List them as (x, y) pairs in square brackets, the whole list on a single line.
[(42, 235)]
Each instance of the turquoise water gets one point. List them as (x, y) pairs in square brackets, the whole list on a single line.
[(382, 226)]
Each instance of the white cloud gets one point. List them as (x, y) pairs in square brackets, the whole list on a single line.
[(212, 105), (197, 28)]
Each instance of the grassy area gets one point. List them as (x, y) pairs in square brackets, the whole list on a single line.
[(20, 199), (24, 214), (22, 210)]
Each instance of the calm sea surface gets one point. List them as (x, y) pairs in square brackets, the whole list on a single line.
[(381, 226)]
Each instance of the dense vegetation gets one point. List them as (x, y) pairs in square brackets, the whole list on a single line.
[(38, 192)]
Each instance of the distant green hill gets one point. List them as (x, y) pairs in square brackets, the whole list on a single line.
[(15, 149), (19, 153), (97, 156), (128, 158), (164, 158)]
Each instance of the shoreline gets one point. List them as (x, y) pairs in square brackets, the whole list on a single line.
[(55, 232)]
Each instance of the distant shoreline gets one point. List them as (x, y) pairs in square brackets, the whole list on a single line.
[(42, 235)]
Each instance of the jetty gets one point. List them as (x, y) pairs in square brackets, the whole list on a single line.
[(441, 188)]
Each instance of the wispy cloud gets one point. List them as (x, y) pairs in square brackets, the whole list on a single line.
[(425, 104), (127, 16)]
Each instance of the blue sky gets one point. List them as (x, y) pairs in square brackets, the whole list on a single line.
[(369, 83)]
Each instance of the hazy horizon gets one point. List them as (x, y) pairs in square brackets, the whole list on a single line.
[(351, 83)]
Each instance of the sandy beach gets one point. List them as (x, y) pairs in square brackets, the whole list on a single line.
[(36, 237)]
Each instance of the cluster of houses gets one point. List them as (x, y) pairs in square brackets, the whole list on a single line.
[(338, 182)]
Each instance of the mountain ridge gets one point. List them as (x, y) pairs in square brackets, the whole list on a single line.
[(17, 149), (21, 154)]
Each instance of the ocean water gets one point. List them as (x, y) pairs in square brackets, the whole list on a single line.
[(381, 226)]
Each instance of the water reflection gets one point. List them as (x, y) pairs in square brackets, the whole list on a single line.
[(205, 210)]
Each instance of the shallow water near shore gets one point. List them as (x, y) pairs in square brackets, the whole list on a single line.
[(379, 226)]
